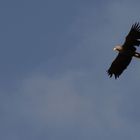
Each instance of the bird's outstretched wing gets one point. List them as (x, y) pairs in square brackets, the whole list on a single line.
[(119, 65), (133, 36)]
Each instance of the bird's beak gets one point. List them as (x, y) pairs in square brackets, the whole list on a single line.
[(114, 49)]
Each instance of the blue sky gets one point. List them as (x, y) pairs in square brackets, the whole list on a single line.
[(53, 82)]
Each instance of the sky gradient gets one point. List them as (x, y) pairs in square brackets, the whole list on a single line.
[(53, 82)]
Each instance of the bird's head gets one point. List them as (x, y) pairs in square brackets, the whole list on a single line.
[(118, 48)]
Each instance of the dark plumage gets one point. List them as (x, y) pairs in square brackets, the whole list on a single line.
[(126, 52)]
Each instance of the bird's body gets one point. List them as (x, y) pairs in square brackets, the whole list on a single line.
[(126, 52)]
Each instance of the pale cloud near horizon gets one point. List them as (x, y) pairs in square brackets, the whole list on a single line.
[(58, 104)]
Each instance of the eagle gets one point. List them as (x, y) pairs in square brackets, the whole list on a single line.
[(125, 52)]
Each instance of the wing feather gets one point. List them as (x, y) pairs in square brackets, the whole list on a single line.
[(119, 65), (133, 36)]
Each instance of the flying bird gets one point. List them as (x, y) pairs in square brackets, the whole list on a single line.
[(126, 52)]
